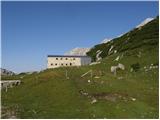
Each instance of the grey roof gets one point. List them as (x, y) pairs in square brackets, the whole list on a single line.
[(67, 56)]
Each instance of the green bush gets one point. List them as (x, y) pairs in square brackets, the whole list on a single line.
[(135, 67)]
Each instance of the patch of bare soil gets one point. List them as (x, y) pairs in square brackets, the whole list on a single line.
[(113, 97), (110, 96)]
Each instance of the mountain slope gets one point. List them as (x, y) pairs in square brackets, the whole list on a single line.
[(106, 40), (144, 22), (148, 35)]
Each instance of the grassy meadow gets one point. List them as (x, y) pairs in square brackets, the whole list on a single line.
[(48, 94)]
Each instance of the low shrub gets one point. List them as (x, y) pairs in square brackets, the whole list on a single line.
[(135, 67)]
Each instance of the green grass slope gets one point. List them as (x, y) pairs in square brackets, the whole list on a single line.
[(49, 94), (148, 36)]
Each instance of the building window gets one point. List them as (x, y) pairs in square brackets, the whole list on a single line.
[(61, 58), (70, 64), (62, 64), (66, 58), (51, 64), (73, 58), (56, 64), (56, 58), (66, 64)]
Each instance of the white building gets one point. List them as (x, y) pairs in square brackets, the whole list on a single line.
[(54, 61)]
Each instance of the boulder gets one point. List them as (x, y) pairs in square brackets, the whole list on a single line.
[(117, 58), (93, 101), (113, 69), (121, 66)]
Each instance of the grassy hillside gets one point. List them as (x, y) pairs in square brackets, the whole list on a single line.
[(129, 94), (147, 35)]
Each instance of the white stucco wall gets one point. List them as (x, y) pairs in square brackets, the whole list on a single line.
[(53, 62), (85, 61)]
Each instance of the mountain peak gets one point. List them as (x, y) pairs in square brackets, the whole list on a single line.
[(6, 72), (78, 51)]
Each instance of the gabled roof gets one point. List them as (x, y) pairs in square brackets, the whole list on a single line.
[(67, 56)]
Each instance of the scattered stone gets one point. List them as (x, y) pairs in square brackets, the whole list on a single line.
[(117, 58), (96, 77), (121, 66), (89, 81), (155, 66), (119, 78), (131, 70), (93, 101), (133, 99), (114, 69), (83, 93)]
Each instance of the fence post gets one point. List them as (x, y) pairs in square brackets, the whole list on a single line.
[(91, 75), (6, 88), (67, 75)]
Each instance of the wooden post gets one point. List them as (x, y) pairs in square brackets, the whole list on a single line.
[(6, 88), (91, 74), (115, 72), (11, 85), (67, 75), (86, 73)]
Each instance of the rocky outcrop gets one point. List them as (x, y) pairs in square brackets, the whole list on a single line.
[(6, 72)]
